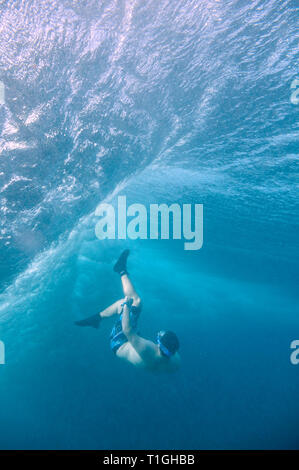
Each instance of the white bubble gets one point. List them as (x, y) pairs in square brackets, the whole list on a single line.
[(2, 353), (2, 93)]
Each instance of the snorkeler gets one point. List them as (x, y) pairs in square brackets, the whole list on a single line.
[(125, 342)]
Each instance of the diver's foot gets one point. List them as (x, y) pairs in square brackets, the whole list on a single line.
[(120, 266), (93, 321)]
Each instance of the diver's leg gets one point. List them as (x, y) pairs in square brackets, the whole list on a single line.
[(112, 309), (94, 320), (129, 290), (121, 268)]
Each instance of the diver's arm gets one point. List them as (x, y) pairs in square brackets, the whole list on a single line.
[(126, 324), (147, 350)]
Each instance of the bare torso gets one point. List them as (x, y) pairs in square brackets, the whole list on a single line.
[(157, 364)]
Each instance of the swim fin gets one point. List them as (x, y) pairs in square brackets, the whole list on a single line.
[(93, 321), (120, 266)]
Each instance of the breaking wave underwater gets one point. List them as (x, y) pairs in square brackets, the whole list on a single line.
[(165, 101)]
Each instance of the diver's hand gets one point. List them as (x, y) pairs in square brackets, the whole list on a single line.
[(128, 301), (126, 325)]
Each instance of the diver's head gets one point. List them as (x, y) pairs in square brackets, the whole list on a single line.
[(168, 343)]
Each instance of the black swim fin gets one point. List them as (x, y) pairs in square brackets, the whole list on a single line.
[(120, 266), (93, 321)]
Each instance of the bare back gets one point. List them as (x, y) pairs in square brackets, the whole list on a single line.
[(145, 354)]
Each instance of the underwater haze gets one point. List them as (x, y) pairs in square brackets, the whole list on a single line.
[(185, 101)]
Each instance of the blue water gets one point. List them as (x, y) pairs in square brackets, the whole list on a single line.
[(182, 101)]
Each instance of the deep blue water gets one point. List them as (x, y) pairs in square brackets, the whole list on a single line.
[(171, 101)]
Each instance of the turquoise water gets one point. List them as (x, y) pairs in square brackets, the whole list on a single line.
[(166, 101)]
